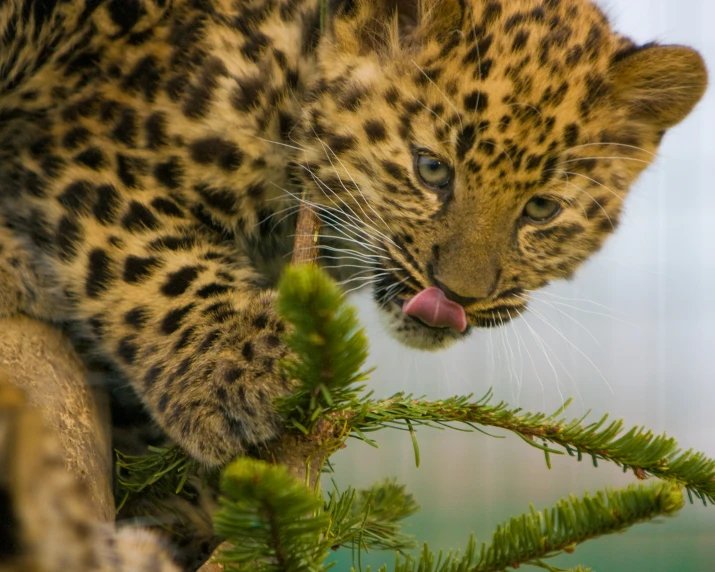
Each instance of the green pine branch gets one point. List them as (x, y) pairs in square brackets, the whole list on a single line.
[(329, 348), (637, 449), (536, 536), (162, 472), (272, 521), (370, 519), (275, 523)]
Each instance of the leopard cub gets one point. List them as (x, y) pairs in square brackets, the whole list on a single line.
[(153, 153)]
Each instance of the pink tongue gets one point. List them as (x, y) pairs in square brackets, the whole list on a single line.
[(433, 308)]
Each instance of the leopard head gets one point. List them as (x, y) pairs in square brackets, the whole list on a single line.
[(465, 153)]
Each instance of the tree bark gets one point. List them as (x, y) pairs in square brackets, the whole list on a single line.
[(39, 360)]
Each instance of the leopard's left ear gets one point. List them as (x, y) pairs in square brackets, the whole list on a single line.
[(659, 85)]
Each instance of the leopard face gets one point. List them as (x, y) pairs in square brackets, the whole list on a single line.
[(484, 148)]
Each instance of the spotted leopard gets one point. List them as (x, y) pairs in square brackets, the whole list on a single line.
[(153, 154)]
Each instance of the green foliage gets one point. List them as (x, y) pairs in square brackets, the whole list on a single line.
[(534, 536), (272, 520), (329, 347), (637, 449), (157, 475), (275, 523), (370, 519)]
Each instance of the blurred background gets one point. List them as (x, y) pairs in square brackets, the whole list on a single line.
[(633, 335)]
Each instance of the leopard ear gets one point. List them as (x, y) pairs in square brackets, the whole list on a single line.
[(659, 85)]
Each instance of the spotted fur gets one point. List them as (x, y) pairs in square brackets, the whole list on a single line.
[(152, 154)]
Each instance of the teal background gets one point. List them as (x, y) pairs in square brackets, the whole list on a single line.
[(633, 335)]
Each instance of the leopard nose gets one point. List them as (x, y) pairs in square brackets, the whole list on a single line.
[(452, 295)]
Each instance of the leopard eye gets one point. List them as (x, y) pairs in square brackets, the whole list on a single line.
[(433, 171), (541, 209)]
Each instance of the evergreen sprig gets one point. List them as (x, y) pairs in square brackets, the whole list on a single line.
[(370, 519), (534, 536), (329, 348), (275, 523), (272, 521), (637, 449), (162, 472)]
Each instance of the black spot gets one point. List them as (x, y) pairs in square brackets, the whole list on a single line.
[(571, 133), (169, 173), (154, 373), (255, 191), (109, 109), (128, 168), (476, 101), (533, 162), (125, 13), (392, 96), (52, 165), (247, 95), (99, 274), (338, 144), (34, 184), (179, 282), (465, 141), (92, 158), (272, 341), (176, 86), (548, 170), (75, 137), (98, 326), (213, 289), (233, 374), (255, 45), (260, 321), (216, 150), (491, 13), (520, 40), (247, 351), (185, 339), (375, 130), (127, 349), (396, 171), (172, 320), (574, 56), (163, 403), (479, 51), (69, 233), (209, 340), (222, 200), (136, 317), (139, 218), (173, 243), (107, 205), (144, 78), (137, 268), (74, 197), (167, 207), (126, 129), (155, 126)]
